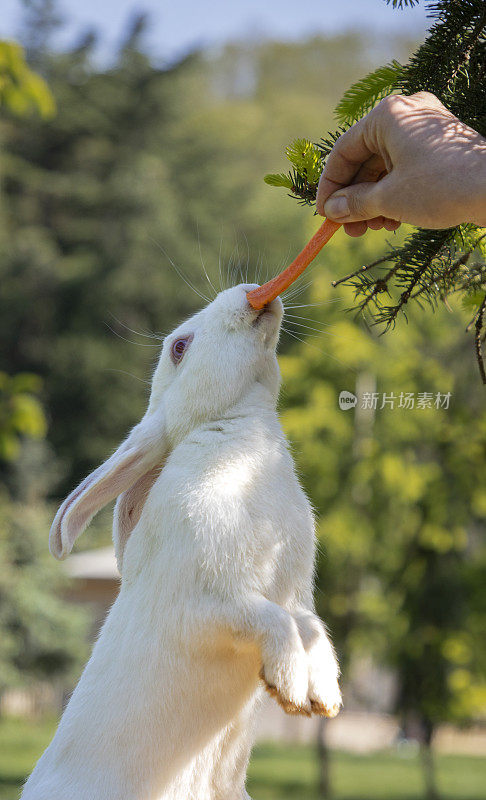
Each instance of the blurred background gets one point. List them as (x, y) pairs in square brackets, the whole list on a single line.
[(133, 141)]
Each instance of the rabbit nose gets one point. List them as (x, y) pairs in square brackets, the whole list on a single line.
[(247, 287)]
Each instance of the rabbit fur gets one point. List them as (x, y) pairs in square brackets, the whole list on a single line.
[(214, 538)]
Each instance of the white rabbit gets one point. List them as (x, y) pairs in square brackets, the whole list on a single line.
[(215, 541)]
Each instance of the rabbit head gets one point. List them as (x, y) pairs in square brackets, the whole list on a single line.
[(207, 365)]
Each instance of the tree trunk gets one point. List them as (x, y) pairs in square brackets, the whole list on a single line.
[(323, 756), (428, 766)]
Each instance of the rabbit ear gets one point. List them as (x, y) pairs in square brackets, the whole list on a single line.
[(143, 450), (128, 509)]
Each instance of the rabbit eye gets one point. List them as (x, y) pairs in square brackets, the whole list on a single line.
[(179, 347)]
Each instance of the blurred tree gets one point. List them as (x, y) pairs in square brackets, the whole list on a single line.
[(41, 19), (22, 91), (138, 161), (41, 636), (83, 197), (21, 413), (140, 156), (395, 493)]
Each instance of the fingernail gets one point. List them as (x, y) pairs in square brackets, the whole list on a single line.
[(336, 207)]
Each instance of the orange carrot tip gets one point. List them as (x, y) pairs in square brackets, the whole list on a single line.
[(258, 298)]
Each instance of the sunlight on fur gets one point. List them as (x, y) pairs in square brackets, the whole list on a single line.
[(215, 542)]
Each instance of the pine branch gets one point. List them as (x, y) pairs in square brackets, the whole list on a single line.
[(279, 179), (362, 96), (359, 271), (326, 144), (477, 340), (402, 3), (445, 275), (451, 63), (307, 164)]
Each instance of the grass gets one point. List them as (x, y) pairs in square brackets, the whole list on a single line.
[(280, 772), (21, 743), (291, 773)]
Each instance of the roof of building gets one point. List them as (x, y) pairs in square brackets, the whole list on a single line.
[(93, 565)]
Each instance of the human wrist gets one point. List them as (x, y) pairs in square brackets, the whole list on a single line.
[(479, 208), (476, 201)]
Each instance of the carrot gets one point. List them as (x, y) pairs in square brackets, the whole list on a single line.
[(258, 298)]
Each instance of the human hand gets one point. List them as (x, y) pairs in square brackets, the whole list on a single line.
[(408, 160)]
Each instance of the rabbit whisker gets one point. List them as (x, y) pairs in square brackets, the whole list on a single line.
[(284, 264), (297, 286), (202, 260), (297, 291), (259, 268), (310, 328), (145, 334), (219, 262), (230, 270), (307, 319), (130, 375), (179, 272), (238, 268), (247, 256), (130, 341), (308, 271), (320, 350), (318, 305)]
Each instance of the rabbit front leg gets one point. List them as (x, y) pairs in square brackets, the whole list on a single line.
[(324, 692), (284, 669)]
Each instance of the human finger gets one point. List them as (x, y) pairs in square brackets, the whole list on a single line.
[(355, 228), (343, 162)]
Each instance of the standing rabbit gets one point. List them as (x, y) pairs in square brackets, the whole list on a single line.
[(215, 543)]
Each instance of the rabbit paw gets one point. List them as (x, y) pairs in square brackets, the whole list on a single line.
[(288, 683), (326, 703), (324, 692), (323, 670)]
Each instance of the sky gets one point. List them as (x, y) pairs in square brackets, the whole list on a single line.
[(177, 26)]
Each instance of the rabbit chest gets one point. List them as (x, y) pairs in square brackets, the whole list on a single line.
[(227, 514)]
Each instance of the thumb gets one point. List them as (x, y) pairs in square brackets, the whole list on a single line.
[(359, 201)]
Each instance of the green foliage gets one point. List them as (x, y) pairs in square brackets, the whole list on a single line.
[(279, 179), (22, 91), (78, 257), (470, 237), (21, 413), (41, 636), (362, 96), (140, 162), (398, 511), (431, 265), (306, 161), (139, 156), (305, 158)]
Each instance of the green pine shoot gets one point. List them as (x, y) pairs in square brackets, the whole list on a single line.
[(362, 96)]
